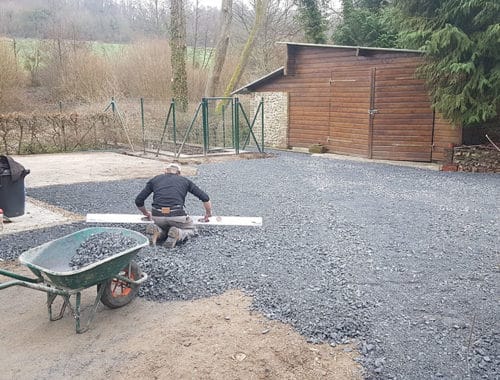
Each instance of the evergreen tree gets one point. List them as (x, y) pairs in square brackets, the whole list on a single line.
[(366, 23), (461, 39), (312, 20)]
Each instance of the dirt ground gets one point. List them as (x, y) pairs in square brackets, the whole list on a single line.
[(212, 338), (65, 168)]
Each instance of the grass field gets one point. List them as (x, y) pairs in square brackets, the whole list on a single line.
[(27, 49)]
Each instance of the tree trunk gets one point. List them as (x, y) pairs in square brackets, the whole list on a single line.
[(157, 17), (260, 6), (178, 53), (196, 9), (226, 17)]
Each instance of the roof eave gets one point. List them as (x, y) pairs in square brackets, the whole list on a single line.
[(246, 89), (351, 47)]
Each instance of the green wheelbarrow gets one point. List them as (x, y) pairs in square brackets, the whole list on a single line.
[(117, 277)]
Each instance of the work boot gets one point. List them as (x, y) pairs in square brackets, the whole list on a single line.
[(158, 235), (174, 235)]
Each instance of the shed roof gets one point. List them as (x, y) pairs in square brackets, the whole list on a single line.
[(281, 71), (351, 47), (246, 88)]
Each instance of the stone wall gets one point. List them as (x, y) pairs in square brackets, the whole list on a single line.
[(275, 117), (477, 158)]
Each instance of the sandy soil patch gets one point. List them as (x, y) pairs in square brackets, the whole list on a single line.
[(214, 338)]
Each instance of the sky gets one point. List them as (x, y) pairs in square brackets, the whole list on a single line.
[(210, 3)]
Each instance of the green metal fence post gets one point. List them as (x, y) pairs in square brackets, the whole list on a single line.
[(208, 126), (204, 112), (113, 104), (172, 105), (262, 121), (143, 129), (232, 122), (223, 125), (236, 126)]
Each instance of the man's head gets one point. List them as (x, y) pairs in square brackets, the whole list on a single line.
[(173, 169)]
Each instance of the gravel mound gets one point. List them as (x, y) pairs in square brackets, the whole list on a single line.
[(99, 247), (403, 261)]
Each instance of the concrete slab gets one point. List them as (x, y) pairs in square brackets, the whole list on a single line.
[(38, 215)]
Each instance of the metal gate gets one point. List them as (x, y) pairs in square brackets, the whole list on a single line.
[(219, 124)]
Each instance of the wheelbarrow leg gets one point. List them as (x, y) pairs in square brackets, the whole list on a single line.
[(50, 300), (77, 312)]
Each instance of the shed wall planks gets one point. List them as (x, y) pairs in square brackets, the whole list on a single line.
[(361, 102)]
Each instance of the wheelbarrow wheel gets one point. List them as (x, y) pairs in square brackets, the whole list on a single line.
[(118, 293)]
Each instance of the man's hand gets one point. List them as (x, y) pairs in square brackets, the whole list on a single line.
[(208, 211), (146, 213), (206, 218)]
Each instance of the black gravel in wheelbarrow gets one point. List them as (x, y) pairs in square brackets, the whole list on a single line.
[(405, 260), (99, 247)]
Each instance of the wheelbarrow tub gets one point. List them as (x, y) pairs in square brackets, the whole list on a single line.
[(50, 261)]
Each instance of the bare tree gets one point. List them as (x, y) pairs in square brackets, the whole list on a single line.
[(279, 24), (156, 16), (226, 16), (149, 15), (195, 37), (178, 51), (260, 10)]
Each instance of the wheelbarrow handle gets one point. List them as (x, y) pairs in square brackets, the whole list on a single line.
[(8, 284), (19, 277), (36, 286)]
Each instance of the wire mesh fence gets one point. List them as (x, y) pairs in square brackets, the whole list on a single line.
[(211, 126)]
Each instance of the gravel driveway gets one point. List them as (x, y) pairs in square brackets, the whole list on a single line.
[(404, 261)]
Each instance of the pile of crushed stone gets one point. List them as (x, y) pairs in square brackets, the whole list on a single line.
[(99, 247)]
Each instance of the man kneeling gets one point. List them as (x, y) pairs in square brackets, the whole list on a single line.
[(168, 211)]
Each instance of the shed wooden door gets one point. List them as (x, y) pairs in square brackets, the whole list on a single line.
[(348, 115), (402, 118)]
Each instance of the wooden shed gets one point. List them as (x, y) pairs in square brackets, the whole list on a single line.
[(358, 101)]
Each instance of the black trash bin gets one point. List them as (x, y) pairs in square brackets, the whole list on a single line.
[(12, 191)]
